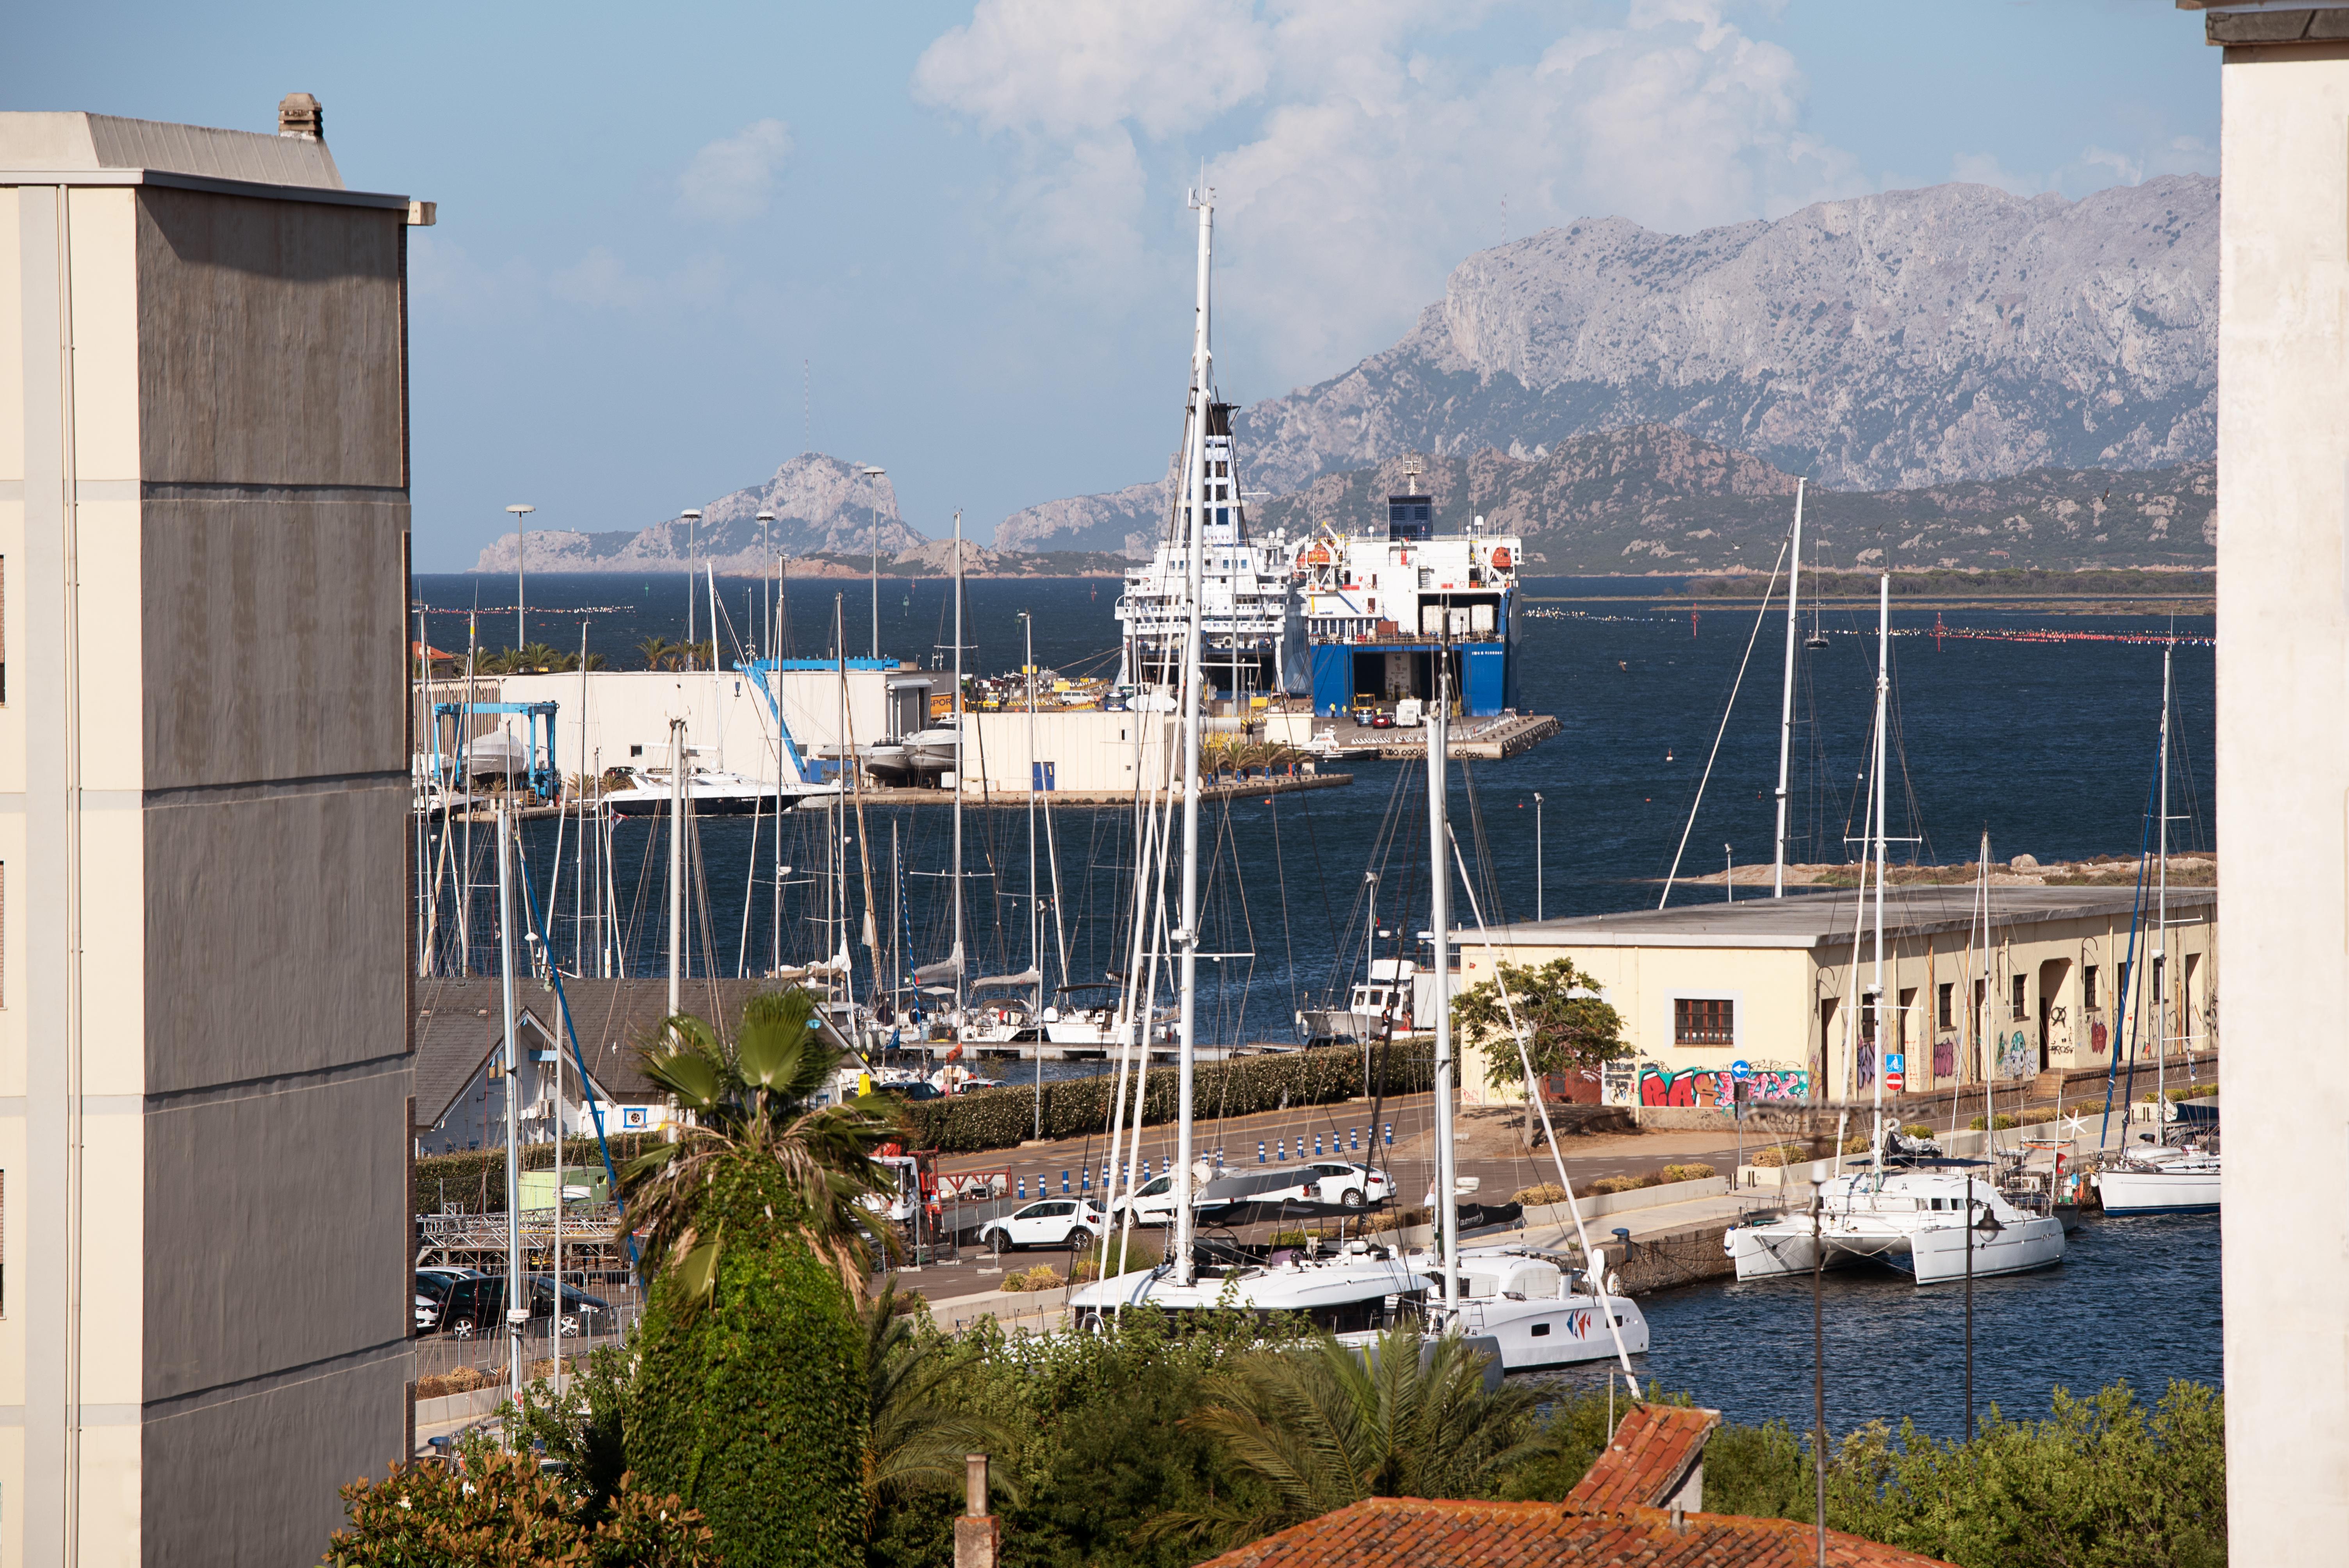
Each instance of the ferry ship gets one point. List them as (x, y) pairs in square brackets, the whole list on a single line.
[(1251, 620), (1380, 608)]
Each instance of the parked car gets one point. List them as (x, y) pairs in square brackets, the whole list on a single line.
[(1049, 1223), (476, 1309), (433, 1283), (1155, 1203), (1342, 1182), (1364, 716), (1382, 719)]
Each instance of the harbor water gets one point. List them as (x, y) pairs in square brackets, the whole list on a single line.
[(2049, 747)]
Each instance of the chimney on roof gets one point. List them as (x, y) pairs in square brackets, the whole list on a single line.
[(299, 114), (978, 1535)]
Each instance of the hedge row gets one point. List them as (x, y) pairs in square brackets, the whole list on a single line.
[(474, 1182), (1079, 1107)]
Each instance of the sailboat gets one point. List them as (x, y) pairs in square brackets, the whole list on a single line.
[(1361, 1284), (1935, 1226), (2163, 1178)]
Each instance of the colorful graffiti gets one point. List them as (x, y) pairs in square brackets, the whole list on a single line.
[(1714, 1088), (2014, 1056), (1945, 1056), (1867, 1064)]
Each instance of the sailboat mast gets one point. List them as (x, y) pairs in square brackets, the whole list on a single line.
[(957, 884), (676, 860), (514, 1092), (1187, 933), (1786, 698), (716, 714), (1883, 690), (1447, 1204), (2161, 923)]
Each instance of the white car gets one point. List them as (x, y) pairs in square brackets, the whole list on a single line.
[(1155, 1203), (1344, 1183), (1047, 1222)]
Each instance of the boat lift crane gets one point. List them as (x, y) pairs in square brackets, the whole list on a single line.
[(546, 781)]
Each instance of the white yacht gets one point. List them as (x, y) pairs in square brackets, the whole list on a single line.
[(1397, 989), (1531, 1310), (2161, 1180), (1354, 1289), (708, 792), (1914, 1221)]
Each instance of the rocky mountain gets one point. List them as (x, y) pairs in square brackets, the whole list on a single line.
[(1907, 339), (820, 505), (1127, 522), (1655, 499)]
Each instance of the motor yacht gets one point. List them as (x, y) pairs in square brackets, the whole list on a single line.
[(1914, 1221), (2153, 1180)]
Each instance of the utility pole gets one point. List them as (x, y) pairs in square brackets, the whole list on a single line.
[(1786, 698), (522, 537), (875, 507)]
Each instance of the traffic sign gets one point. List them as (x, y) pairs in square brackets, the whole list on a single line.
[(1894, 1076), (1741, 1071)]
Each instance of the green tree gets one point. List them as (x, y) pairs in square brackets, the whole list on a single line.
[(1567, 1025), (658, 653), (750, 1399), (496, 1509), (914, 1441), (1324, 1425)]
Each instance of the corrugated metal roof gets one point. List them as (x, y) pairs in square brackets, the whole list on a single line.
[(70, 141)]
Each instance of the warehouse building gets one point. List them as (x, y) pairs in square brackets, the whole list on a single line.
[(1783, 986)]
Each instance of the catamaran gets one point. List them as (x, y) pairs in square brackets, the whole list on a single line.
[(1935, 1226)]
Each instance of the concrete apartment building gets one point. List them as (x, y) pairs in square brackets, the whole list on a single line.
[(2284, 765), (1770, 983), (203, 1061)]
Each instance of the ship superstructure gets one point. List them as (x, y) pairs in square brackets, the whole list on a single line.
[(1252, 624), (1381, 607)]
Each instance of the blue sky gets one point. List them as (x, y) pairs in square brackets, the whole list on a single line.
[(678, 245)]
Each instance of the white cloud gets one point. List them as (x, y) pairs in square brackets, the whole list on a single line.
[(1357, 155), (730, 180), (601, 280)]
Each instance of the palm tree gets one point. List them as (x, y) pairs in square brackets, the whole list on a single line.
[(754, 1101), (1325, 1425), (657, 652), (914, 1443)]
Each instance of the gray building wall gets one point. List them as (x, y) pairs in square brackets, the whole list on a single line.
[(206, 1006)]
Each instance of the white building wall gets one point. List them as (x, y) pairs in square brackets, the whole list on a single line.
[(2283, 765)]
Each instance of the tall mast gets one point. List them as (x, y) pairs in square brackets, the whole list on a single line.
[(2161, 922), (1883, 688), (676, 860), (1447, 1203), (716, 714), (1786, 698), (1035, 912), (1186, 936), (513, 1096), (958, 777)]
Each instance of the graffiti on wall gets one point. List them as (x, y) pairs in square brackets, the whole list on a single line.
[(2014, 1056), (1945, 1056), (1713, 1087), (1867, 1064)]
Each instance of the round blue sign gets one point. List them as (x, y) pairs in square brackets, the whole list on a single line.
[(1741, 1070)]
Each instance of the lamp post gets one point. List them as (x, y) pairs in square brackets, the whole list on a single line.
[(1538, 855), (521, 511), (873, 473), (766, 520), (692, 515)]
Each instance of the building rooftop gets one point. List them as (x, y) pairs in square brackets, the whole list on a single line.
[(1381, 1530), (1654, 1450), (69, 142), (1813, 919)]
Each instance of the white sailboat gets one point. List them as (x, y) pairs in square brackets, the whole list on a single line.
[(1934, 1225), (2163, 1178), (1364, 1282)]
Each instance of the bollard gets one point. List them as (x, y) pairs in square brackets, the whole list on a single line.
[(1064, 1183), (1284, 1148), (1084, 1180), (1023, 1189), (1390, 1132), (1259, 1150), (1317, 1145), (1354, 1139)]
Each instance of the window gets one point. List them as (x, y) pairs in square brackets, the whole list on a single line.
[(2018, 1012), (1704, 1021), (2088, 986), (1944, 1017)]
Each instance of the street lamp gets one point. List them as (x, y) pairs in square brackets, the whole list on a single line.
[(1538, 856), (692, 515), (873, 473), (521, 511), (766, 520)]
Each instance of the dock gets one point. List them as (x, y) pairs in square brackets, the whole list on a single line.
[(1017, 800), (1471, 739)]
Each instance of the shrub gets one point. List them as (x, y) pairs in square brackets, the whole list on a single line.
[(1689, 1172), (492, 1508), (1546, 1192), (750, 1405), (1074, 1108), (1400, 1218), (2002, 1123), (1043, 1276), (1919, 1129), (473, 1180), (1856, 1145), (1779, 1155), (1606, 1184)]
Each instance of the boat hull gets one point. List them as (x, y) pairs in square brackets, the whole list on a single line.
[(2158, 1192), (766, 803), (1929, 1255)]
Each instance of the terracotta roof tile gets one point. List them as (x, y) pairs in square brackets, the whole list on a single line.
[(1427, 1534), (1650, 1456)]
